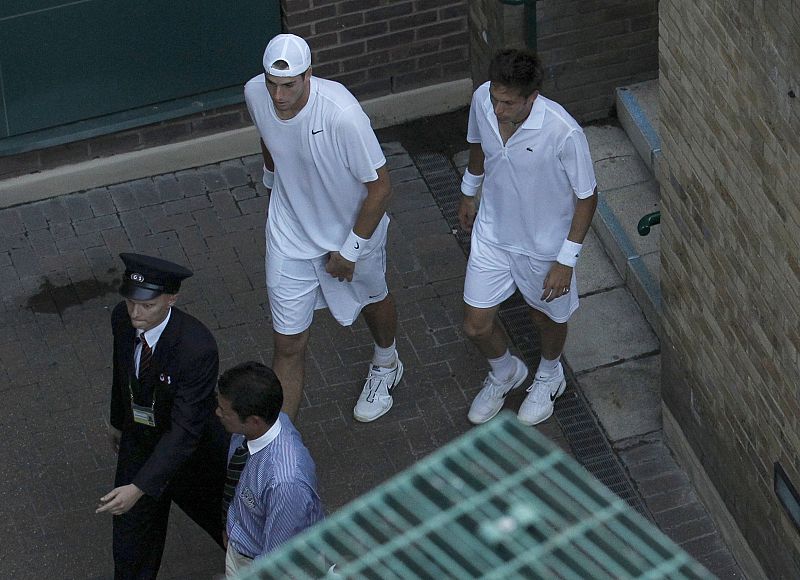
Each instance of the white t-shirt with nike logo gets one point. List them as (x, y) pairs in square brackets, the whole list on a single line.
[(323, 157)]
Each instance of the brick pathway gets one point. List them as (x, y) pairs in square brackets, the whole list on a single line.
[(674, 505), (58, 277), (59, 272)]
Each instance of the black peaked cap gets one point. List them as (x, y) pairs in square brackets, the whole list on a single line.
[(147, 277)]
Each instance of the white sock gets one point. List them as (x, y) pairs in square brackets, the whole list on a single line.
[(385, 357), (548, 368), (503, 367)]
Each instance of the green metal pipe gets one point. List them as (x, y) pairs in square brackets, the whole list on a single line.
[(647, 222), (530, 20)]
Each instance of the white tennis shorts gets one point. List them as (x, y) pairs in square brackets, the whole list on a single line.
[(493, 274), (298, 287)]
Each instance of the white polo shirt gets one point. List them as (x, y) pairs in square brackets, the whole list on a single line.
[(533, 181), (323, 157)]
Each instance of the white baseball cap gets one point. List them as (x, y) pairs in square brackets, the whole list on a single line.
[(291, 49)]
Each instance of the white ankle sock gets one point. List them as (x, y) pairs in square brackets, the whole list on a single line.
[(548, 368), (385, 357), (503, 367)]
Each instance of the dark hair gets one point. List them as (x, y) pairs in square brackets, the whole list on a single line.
[(283, 65), (253, 389), (519, 69)]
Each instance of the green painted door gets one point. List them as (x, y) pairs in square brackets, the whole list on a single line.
[(63, 61)]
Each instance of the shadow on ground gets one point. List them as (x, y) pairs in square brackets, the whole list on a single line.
[(446, 134)]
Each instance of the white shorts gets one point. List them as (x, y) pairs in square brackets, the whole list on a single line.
[(494, 273), (298, 287)]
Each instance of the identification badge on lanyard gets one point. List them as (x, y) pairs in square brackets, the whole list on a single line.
[(143, 415)]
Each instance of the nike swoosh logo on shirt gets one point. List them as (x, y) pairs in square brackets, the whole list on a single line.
[(317, 131)]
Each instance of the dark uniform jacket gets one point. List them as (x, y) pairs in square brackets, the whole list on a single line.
[(180, 382)]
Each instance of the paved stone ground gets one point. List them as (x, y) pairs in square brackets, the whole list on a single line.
[(674, 505), (58, 277), (59, 273)]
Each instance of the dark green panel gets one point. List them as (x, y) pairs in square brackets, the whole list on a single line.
[(3, 115), (81, 60), (17, 8)]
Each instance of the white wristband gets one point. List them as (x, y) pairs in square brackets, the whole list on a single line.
[(269, 178), (568, 255), (353, 246), (470, 183)]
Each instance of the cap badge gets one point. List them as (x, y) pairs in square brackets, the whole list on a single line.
[(137, 277)]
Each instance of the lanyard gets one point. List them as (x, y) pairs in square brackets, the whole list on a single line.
[(141, 413)]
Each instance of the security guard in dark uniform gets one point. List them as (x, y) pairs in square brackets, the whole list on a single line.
[(170, 445)]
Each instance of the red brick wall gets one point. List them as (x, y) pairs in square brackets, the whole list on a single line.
[(591, 47), (378, 47), (588, 47)]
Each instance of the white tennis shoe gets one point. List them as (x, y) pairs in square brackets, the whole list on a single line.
[(376, 396), (493, 394), (542, 394)]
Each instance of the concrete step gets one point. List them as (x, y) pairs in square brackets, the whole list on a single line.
[(627, 192), (637, 110)]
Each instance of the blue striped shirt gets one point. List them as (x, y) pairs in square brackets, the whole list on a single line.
[(276, 497)]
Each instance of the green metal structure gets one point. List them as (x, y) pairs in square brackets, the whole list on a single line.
[(71, 61), (501, 502)]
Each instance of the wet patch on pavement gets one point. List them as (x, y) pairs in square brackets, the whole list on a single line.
[(52, 299)]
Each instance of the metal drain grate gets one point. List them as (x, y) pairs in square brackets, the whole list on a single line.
[(579, 425), (444, 182)]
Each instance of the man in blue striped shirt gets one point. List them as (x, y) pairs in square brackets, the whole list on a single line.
[(276, 495)]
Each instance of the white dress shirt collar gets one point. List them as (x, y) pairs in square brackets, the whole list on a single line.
[(256, 445), (152, 335)]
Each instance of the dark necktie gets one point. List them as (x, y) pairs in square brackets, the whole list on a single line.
[(235, 467), (145, 356)]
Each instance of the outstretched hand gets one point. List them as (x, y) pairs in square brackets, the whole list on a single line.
[(119, 500)]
